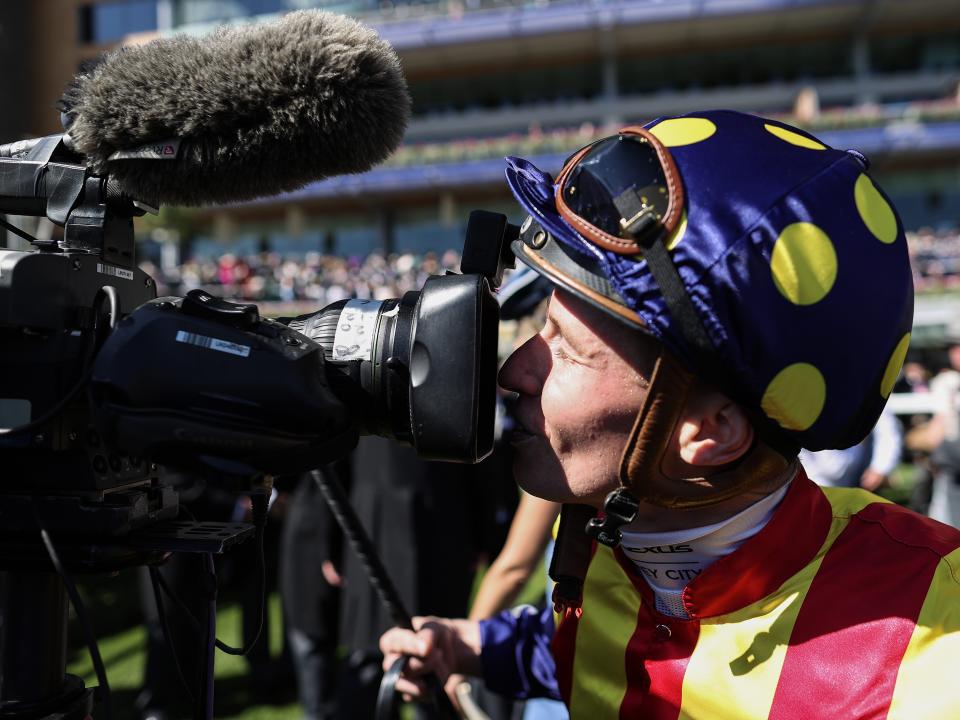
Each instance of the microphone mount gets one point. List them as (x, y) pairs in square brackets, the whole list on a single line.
[(43, 177)]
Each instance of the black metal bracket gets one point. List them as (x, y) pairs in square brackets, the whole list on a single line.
[(189, 536), (619, 509)]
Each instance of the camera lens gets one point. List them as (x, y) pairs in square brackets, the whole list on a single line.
[(367, 348), (421, 368)]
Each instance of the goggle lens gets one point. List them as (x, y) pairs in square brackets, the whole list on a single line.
[(608, 169)]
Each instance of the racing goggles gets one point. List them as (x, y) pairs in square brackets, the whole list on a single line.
[(621, 192)]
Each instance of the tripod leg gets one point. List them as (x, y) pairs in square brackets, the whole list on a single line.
[(204, 705), (33, 649)]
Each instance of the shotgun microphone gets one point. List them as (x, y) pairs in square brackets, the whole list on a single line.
[(244, 112)]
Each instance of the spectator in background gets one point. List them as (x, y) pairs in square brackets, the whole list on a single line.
[(943, 438), (934, 255), (867, 465), (310, 591), (935, 258), (529, 537), (915, 378), (313, 278), (432, 523)]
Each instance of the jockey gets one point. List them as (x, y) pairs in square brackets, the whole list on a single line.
[(728, 290)]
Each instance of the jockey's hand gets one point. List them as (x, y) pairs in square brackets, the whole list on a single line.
[(437, 645)]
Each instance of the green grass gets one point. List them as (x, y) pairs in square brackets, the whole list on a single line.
[(113, 605)]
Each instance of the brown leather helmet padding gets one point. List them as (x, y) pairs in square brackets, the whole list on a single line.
[(641, 467)]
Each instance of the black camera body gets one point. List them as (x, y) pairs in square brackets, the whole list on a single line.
[(48, 329), (165, 385), (208, 386)]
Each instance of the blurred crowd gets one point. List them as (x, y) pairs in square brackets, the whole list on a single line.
[(321, 279), (935, 257), (311, 277)]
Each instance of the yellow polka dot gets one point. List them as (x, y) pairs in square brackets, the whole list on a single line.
[(678, 233), (875, 212), (683, 131), (893, 366), (795, 397), (803, 263), (794, 138)]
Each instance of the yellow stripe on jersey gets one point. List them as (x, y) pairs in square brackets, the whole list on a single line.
[(610, 605), (753, 645), (931, 658)]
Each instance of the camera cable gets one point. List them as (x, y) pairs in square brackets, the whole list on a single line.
[(203, 701), (108, 293), (165, 627), (82, 617), (259, 507)]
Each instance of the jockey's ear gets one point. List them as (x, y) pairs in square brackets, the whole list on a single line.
[(714, 430)]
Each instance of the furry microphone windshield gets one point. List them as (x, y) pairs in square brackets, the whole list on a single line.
[(242, 113)]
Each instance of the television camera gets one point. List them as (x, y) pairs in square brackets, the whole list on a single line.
[(102, 384)]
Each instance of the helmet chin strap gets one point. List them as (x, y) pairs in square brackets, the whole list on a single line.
[(643, 479)]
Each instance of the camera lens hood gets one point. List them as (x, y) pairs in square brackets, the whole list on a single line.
[(453, 369)]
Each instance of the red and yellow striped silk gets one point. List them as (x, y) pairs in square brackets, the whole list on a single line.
[(843, 606)]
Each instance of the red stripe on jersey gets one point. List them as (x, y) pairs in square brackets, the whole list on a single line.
[(768, 559), (859, 614), (657, 658), (910, 528), (563, 645)]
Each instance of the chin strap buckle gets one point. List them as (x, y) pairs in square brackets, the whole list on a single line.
[(619, 509)]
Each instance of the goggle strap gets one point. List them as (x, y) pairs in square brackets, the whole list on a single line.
[(637, 218), (677, 299)]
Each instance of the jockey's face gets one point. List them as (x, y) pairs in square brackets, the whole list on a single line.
[(580, 382)]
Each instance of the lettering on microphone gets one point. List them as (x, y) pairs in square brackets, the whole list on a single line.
[(162, 150)]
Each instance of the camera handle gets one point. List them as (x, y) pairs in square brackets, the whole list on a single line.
[(440, 708)]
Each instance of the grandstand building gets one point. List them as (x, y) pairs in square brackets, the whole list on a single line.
[(541, 78)]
